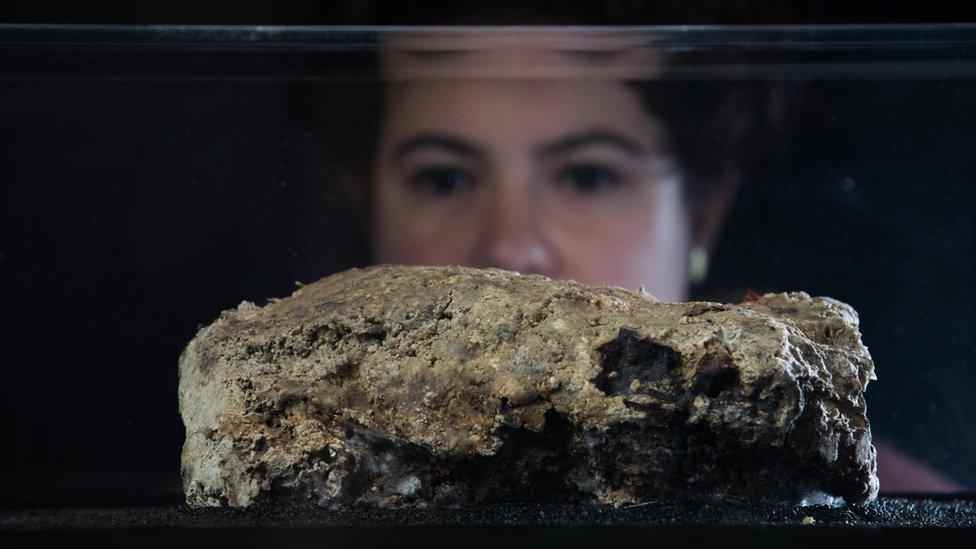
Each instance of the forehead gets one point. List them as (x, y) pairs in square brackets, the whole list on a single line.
[(516, 96), (535, 106)]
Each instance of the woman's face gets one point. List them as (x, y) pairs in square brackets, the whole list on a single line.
[(570, 178)]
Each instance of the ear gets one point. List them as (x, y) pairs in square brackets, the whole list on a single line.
[(713, 208)]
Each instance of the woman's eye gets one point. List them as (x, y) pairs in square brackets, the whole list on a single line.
[(441, 181), (589, 178)]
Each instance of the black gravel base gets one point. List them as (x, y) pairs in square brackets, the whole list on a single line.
[(896, 520)]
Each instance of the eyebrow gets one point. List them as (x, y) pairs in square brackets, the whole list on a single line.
[(446, 142), (572, 142), (563, 145)]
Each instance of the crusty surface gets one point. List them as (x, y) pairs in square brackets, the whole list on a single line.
[(399, 385)]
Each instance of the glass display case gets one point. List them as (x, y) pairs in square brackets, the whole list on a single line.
[(154, 176)]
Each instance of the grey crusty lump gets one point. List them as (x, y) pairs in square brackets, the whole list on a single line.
[(452, 386)]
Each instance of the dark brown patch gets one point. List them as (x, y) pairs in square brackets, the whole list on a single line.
[(701, 308), (715, 374), (629, 357)]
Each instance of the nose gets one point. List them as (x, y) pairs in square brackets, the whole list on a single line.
[(513, 236)]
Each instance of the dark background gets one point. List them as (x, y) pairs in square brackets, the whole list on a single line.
[(407, 12), (133, 211)]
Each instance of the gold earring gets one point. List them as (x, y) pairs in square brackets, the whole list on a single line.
[(697, 264)]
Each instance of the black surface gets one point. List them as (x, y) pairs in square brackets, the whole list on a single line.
[(887, 511), (895, 520)]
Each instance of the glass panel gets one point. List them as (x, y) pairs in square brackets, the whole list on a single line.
[(154, 176)]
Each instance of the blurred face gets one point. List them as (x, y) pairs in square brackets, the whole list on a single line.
[(570, 178)]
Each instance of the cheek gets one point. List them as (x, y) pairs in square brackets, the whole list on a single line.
[(610, 256), (638, 242), (408, 234)]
